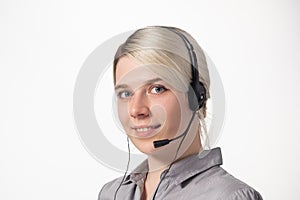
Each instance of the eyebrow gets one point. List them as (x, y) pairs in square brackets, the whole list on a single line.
[(148, 82)]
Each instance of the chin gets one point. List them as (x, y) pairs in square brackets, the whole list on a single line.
[(147, 151), (144, 146)]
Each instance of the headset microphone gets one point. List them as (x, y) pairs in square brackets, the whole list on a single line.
[(160, 143)]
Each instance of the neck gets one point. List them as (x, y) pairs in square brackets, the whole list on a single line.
[(162, 158)]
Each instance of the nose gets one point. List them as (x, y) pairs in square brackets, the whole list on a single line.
[(138, 106)]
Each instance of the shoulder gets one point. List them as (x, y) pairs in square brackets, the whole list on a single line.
[(246, 193), (226, 186)]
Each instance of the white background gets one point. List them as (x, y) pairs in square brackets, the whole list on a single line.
[(254, 44)]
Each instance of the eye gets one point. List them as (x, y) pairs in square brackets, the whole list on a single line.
[(157, 89), (124, 94)]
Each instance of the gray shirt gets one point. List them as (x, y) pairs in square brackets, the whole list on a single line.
[(195, 177)]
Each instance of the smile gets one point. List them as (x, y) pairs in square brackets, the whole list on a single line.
[(145, 131)]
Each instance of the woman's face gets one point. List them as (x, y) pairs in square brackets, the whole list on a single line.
[(149, 109)]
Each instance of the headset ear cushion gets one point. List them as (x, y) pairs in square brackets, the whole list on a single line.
[(196, 95), (193, 102)]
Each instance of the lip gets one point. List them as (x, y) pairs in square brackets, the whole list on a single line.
[(145, 130)]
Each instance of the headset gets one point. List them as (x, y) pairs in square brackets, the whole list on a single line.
[(196, 92), (196, 99)]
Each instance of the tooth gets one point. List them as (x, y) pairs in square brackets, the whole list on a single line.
[(143, 129)]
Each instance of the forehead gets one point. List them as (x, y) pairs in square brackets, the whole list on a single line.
[(124, 66), (129, 70)]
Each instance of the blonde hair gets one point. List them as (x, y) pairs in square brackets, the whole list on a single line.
[(164, 52)]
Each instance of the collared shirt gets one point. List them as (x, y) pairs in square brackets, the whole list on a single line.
[(197, 177)]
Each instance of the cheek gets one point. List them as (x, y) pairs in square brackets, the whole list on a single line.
[(123, 113), (178, 112), (172, 111), (174, 115)]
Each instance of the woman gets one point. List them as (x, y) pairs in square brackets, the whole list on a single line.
[(162, 86)]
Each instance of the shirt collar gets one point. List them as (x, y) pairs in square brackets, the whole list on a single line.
[(195, 164), (183, 169), (138, 174)]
